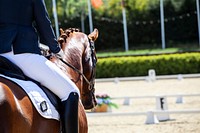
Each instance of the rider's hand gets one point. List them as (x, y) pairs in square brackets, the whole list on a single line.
[(60, 54)]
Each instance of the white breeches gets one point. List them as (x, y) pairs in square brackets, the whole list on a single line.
[(44, 71)]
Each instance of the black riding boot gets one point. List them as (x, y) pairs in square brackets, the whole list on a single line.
[(69, 114)]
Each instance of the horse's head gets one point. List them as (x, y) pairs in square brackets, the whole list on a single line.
[(81, 58)]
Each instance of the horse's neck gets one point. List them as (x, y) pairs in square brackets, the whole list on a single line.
[(74, 59), (73, 49)]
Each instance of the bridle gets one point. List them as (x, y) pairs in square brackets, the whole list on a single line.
[(90, 81)]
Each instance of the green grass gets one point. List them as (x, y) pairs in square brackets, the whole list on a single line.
[(145, 52)]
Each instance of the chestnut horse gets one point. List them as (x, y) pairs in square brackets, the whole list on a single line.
[(17, 113)]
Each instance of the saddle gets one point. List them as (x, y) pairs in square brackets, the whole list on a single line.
[(9, 69)]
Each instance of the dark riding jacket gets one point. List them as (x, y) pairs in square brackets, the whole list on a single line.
[(17, 18)]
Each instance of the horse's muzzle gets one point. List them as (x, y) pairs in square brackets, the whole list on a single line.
[(89, 104)]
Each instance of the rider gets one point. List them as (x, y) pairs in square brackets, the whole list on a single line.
[(19, 42)]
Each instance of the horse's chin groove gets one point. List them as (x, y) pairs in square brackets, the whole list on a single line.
[(90, 105)]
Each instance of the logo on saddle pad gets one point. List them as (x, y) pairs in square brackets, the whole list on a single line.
[(43, 106)]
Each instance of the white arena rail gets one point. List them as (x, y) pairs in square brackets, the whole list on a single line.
[(143, 113), (114, 114), (152, 117), (118, 79), (153, 96), (178, 96)]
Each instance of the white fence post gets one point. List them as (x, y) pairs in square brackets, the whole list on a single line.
[(90, 16), (179, 99), (125, 26), (198, 18), (151, 118), (55, 18), (126, 101), (162, 24), (152, 75), (161, 104)]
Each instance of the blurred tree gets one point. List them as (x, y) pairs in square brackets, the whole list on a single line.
[(71, 8), (143, 19), (177, 4), (49, 6)]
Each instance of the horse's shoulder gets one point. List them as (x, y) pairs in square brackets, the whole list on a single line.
[(3, 86), (3, 90), (11, 88), (6, 95)]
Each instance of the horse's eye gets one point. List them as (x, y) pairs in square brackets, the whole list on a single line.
[(87, 59)]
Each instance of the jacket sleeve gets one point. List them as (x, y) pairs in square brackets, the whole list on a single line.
[(46, 33)]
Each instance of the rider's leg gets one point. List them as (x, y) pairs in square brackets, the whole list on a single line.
[(48, 74), (69, 114), (44, 71)]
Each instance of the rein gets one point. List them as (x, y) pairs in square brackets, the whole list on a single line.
[(75, 69)]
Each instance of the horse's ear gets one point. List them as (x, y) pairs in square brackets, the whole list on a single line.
[(94, 35), (61, 41), (61, 31)]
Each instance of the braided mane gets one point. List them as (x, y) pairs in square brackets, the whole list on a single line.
[(65, 34), (70, 30)]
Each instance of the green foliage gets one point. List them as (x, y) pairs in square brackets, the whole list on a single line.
[(143, 22), (49, 7), (177, 4), (141, 5), (139, 65), (111, 8), (71, 8), (105, 99)]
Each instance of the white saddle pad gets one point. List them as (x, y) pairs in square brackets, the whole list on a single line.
[(37, 97)]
